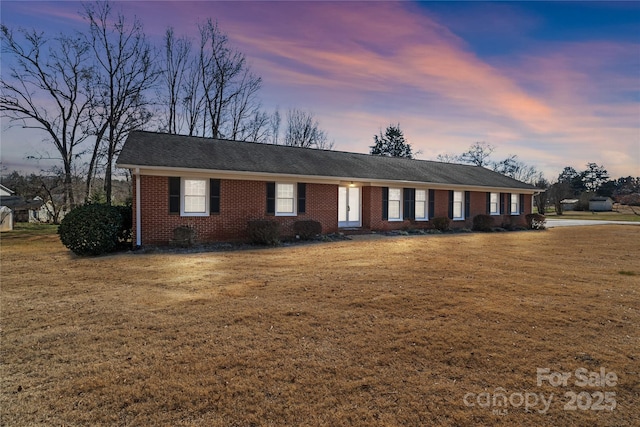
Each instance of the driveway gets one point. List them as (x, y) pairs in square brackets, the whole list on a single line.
[(551, 223)]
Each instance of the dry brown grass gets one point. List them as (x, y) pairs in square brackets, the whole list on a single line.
[(388, 331)]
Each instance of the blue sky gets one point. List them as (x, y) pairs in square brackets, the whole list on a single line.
[(557, 84)]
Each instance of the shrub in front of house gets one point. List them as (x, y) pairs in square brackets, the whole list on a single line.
[(509, 222), (536, 221), (483, 223), (307, 229), (264, 232), (93, 229), (441, 223)]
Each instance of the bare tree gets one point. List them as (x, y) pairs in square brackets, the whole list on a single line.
[(176, 59), (558, 192), (228, 85), (541, 198), (124, 72), (47, 90), (516, 169), (257, 129), (274, 126), (193, 99), (448, 158), (244, 110), (478, 154), (302, 130)]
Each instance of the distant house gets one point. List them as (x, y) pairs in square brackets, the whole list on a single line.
[(4, 191), (569, 204), (216, 186), (600, 204), (6, 219), (20, 207)]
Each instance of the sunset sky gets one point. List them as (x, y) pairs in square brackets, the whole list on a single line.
[(557, 84)]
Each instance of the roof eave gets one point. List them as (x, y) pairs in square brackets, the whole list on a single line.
[(318, 179)]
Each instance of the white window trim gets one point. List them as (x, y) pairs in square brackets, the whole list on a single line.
[(400, 216), (516, 203), (183, 195), (426, 204), (295, 200), (497, 211), (462, 212)]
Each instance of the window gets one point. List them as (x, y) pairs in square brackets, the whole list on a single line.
[(285, 199), (458, 206), (421, 205), (515, 204), (395, 200), (494, 205), (195, 197)]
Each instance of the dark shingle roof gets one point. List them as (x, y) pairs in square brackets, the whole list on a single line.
[(148, 149)]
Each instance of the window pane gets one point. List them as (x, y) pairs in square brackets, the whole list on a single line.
[(457, 196), (195, 187), (420, 210), (285, 191), (394, 209), (284, 206), (515, 198), (457, 209), (194, 204), (421, 195), (493, 203), (195, 191), (342, 204), (394, 194)]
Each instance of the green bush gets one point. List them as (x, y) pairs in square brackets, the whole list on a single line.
[(264, 232), (93, 229), (483, 223), (536, 221), (307, 229), (441, 223)]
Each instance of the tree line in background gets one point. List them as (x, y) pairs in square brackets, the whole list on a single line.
[(583, 185), (87, 90)]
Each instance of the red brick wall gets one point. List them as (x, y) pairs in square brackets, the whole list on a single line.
[(240, 202), (372, 211)]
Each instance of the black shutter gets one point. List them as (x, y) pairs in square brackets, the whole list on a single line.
[(432, 203), (409, 203), (451, 204), (271, 198), (302, 197), (467, 204), (174, 195), (502, 209), (214, 196), (385, 203), (522, 203), (488, 203)]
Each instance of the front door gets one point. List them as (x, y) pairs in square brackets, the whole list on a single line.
[(349, 207)]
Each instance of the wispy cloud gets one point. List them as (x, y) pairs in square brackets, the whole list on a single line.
[(362, 65)]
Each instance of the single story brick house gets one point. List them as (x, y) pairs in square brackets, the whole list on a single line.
[(216, 186)]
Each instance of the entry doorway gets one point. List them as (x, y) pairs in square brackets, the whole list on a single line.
[(349, 207)]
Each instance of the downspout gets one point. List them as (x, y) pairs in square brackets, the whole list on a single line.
[(138, 210)]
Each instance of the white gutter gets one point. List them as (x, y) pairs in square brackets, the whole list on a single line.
[(138, 210)]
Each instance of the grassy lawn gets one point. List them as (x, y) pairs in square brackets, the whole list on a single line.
[(373, 332), (622, 213)]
